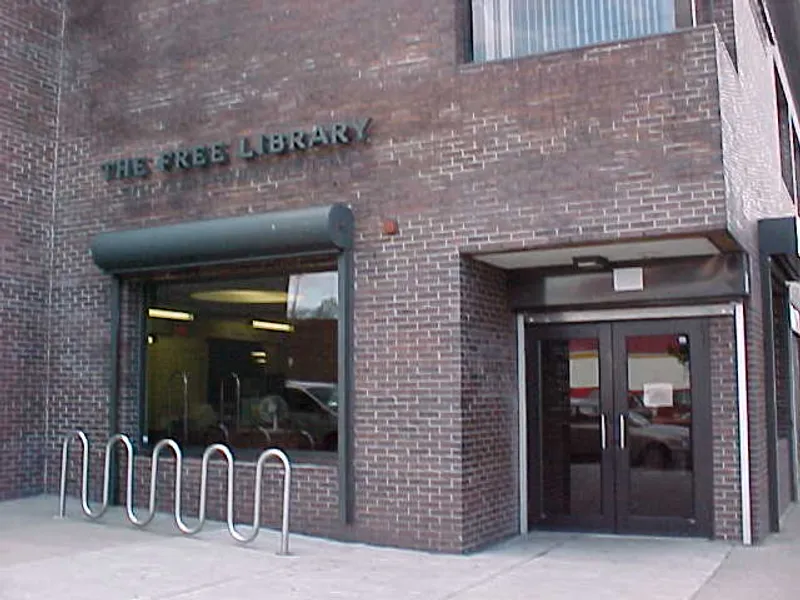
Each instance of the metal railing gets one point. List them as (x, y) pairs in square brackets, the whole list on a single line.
[(183, 377), (237, 400), (181, 524)]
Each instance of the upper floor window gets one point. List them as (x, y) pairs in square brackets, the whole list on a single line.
[(762, 21), (788, 143), (509, 28)]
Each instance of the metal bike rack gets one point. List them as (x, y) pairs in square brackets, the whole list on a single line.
[(184, 378), (308, 436), (287, 485), (182, 526), (115, 439), (302, 432)]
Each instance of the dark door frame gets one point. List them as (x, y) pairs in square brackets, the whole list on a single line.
[(605, 521), (702, 446), (615, 461)]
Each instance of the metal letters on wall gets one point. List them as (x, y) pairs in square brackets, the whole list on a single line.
[(246, 148)]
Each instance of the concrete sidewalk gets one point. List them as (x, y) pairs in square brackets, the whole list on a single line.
[(44, 557)]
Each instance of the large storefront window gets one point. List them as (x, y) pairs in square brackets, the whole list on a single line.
[(251, 363)]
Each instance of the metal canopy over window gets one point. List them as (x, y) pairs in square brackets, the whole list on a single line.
[(224, 241)]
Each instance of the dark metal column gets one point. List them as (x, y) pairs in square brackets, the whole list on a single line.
[(345, 376), (113, 383), (770, 391)]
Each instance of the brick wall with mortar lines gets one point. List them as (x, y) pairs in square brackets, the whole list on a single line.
[(755, 190), (725, 16), (489, 406), (617, 141), (30, 41), (759, 482), (725, 429)]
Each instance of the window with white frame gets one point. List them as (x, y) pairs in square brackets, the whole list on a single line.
[(511, 28), (787, 141)]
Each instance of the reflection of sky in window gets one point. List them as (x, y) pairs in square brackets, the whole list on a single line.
[(546, 25), (311, 293)]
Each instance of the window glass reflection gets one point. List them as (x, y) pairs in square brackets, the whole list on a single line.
[(250, 362), (659, 425), (571, 434), (511, 28)]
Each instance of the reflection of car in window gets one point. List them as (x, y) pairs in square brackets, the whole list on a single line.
[(311, 408), (323, 393), (652, 445)]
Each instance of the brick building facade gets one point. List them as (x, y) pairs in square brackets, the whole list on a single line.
[(144, 140)]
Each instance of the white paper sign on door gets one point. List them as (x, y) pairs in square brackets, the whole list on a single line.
[(658, 395)]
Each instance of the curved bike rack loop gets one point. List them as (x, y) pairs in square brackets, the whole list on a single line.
[(115, 439), (151, 504), (287, 486)]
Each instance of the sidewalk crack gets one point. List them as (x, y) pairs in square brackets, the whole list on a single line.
[(712, 574), (536, 556)]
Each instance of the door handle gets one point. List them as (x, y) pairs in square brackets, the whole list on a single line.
[(603, 432), (622, 425)]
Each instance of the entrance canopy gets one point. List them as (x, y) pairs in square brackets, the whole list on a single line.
[(230, 240)]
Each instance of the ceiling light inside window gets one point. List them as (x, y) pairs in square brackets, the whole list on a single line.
[(273, 326), (175, 315), (242, 296), (591, 262)]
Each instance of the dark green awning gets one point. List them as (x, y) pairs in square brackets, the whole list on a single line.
[(230, 240)]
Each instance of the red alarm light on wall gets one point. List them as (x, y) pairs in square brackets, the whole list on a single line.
[(390, 227)]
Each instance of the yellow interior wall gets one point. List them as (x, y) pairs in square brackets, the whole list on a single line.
[(167, 357)]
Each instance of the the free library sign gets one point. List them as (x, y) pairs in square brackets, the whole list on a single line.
[(246, 148)]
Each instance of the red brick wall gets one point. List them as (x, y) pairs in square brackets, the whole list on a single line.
[(754, 190), (596, 144), (756, 390), (724, 15), (488, 407), (30, 35), (725, 429)]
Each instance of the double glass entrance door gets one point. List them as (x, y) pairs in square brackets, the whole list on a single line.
[(618, 427)]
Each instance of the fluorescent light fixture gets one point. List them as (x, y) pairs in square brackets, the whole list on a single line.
[(151, 339), (273, 326), (261, 361), (590, 262), (258, 354), (242, 296), (175, 315)]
